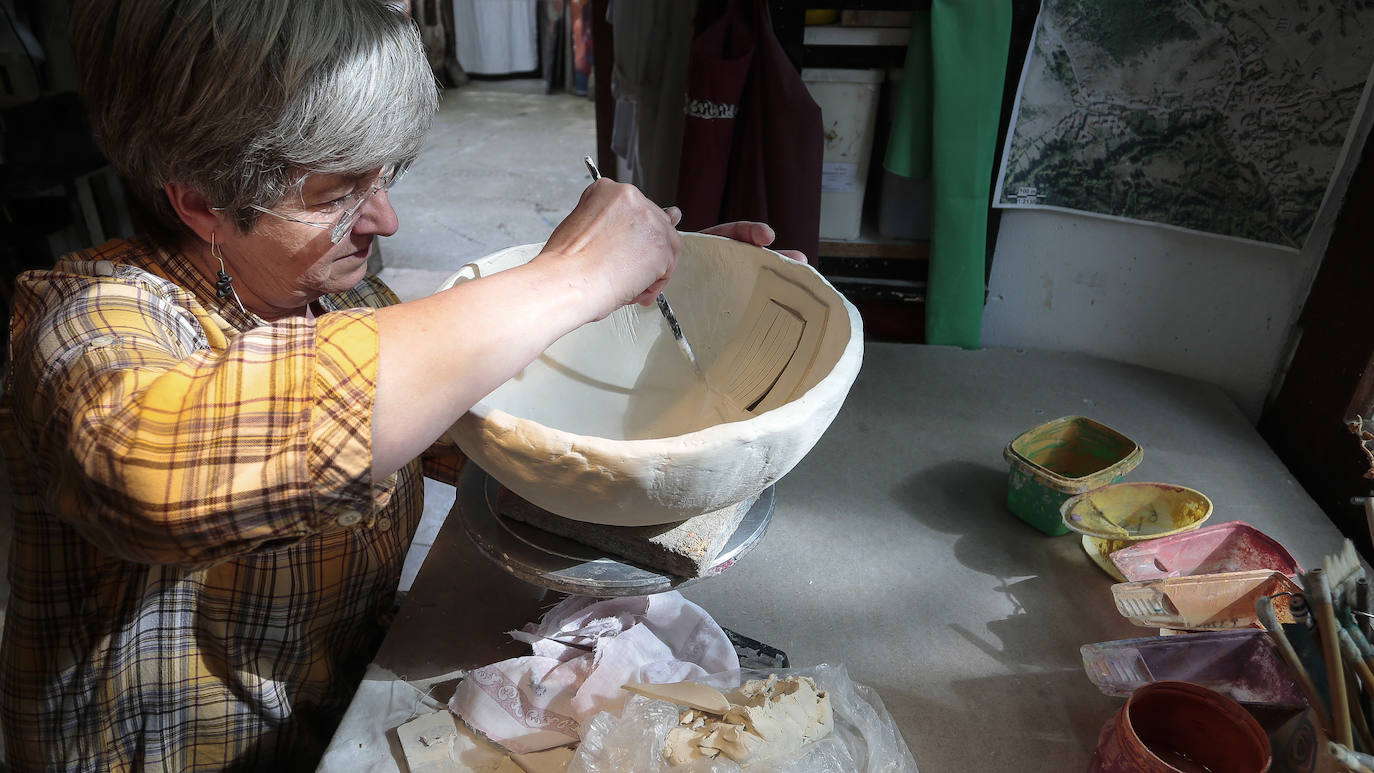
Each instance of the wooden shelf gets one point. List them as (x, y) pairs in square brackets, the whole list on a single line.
[(900, 249), (892, 310), (836, 35), (872, 244)]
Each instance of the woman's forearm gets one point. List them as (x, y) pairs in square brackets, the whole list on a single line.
[(439, 355)]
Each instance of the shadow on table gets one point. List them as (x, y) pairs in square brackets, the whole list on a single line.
[(1053, 730), (1058, 599), (458, 612), (969, 499)]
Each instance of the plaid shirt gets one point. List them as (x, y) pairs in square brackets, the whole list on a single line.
[(201, 559)]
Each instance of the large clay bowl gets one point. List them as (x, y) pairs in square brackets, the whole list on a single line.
[(612, 425)]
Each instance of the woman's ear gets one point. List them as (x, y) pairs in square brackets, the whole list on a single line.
[(194, 210)]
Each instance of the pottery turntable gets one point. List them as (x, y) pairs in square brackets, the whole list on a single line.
[(612, 465), (587, 559)]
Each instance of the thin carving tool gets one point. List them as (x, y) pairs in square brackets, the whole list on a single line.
[(662, 300)]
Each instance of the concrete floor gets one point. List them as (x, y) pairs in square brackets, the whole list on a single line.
[(502, 166)]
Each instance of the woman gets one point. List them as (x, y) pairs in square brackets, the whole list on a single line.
[(212, 431)]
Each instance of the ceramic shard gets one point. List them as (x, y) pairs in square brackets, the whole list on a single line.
[(765, 718)]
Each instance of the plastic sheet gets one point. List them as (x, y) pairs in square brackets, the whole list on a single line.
[(865, 739)]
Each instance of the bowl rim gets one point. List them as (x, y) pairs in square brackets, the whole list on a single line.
[(707, 438), (1135, 537)]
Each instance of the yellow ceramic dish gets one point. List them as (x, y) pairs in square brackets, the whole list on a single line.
[(1121, 514)]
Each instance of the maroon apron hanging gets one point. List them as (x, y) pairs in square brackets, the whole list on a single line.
[(751, 143)]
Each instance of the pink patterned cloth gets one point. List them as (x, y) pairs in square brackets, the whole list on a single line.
[(584, 650)]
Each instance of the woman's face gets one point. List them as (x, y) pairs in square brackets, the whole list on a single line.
[(280, 266)]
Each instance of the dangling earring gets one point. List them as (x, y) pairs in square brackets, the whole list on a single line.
[(224, 284)]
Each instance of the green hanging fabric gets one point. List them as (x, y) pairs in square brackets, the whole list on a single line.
[(908, 146), (968, 43)]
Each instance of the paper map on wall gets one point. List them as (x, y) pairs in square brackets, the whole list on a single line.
[(1222, 116)]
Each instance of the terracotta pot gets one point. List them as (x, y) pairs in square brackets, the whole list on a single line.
[(1177, 727)]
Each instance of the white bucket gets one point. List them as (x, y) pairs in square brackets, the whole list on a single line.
[(849, 103)]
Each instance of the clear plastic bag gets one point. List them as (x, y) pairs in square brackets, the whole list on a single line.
[(865, 738)]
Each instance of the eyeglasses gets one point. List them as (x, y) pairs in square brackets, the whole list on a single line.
[(347, 207)]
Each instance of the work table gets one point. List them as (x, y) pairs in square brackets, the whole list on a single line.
[(892, 551)]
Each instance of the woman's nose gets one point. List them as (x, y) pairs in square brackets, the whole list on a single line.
[(378, 216)]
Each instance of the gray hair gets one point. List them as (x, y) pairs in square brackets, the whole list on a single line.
[(241, 99)]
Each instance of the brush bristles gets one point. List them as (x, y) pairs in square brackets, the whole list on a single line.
[(1348, 649), (1343, 569), (1318, 590)]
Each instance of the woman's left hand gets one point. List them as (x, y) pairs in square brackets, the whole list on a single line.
[(751, 232)]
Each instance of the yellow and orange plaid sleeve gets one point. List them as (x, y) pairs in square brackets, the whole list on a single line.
[(443, 460), (201, 563), (194, 454)]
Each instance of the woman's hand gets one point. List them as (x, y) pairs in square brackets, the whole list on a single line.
[(457, 345), (620, 245), (751, 232)]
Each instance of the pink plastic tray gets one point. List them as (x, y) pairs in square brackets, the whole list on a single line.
[(1234, 546)]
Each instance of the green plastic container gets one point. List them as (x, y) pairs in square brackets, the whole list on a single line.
[(1059, 459)]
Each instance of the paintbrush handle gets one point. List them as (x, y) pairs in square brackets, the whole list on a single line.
[(1351, 653), (1361, 596), (1264, 610), (1319, 596), (1357, 717), (1361, 643), (1367, 625), (1365, 667)]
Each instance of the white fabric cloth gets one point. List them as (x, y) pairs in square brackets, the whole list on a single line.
[(496, 37), (583, 651)]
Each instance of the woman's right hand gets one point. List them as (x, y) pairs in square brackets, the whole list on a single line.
[(616, 247), (620, 246)]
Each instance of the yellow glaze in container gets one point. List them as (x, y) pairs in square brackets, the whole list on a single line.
[(1120, 514)]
